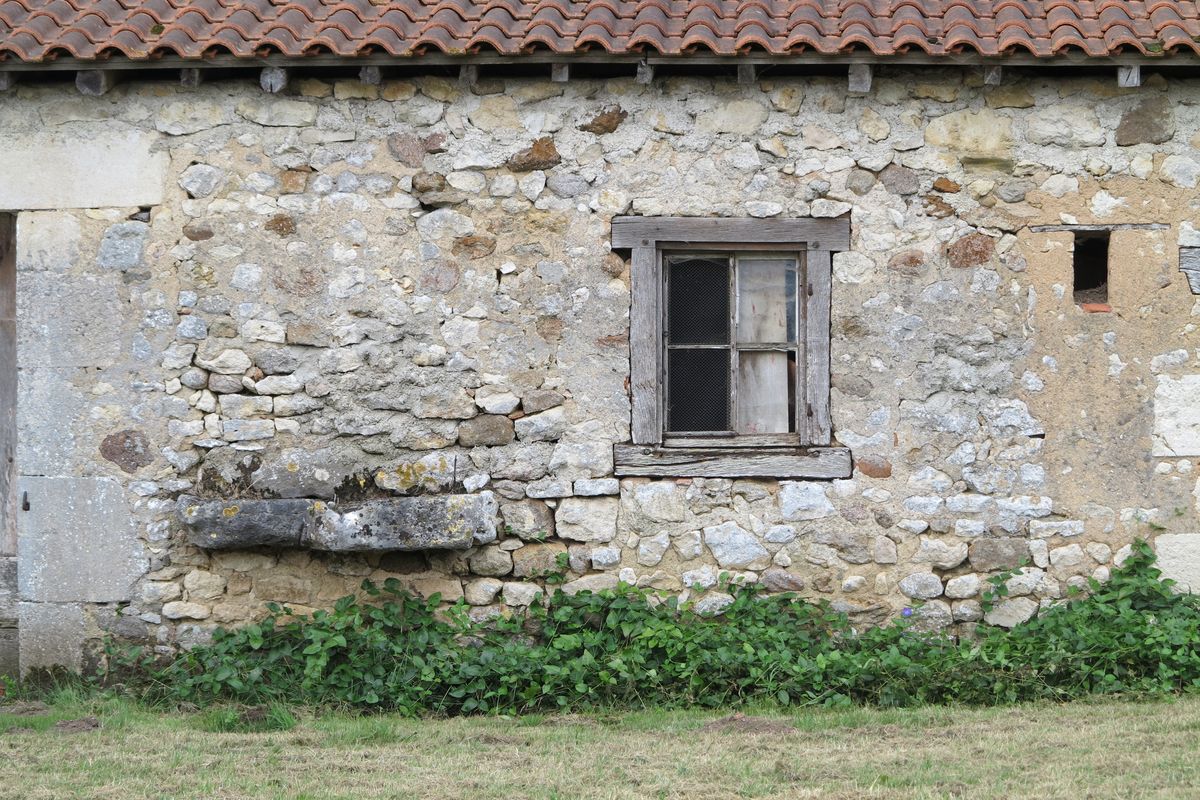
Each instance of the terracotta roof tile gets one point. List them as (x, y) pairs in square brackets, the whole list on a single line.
[(37, 30)]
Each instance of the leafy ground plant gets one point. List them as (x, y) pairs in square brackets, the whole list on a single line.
[(389, 651)]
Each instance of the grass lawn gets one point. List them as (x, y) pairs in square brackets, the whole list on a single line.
[(1088, 749)]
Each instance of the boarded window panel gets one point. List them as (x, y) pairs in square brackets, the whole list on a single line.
[(698, 390), (698, 300), (766, 300), (766, 392)]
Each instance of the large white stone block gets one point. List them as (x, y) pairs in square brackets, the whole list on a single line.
[(76, 542), (51, 635), (1177, 416), (1179, 558), (68, 321), (70, 169), (52, 420)]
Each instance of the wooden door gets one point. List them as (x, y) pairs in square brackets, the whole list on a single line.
[(8, 383)]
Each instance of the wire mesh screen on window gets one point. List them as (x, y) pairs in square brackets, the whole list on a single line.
[(732, 344)]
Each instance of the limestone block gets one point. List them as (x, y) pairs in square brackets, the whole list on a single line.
[(429, 522), (528, 519), (735, 548), (963, 586), (590, 520), (940, 554), (981, 133), (247, 430), (546, 426), (1025, 581), (921, 585), (485, 430), (1177, 416), (521, 594), (1042, 529), (1064, 558), (597, 487), (47, 241), (537, 560), (8, 592), (967, 611), (1011, 613), (651, 549), (10, 660), (737, 116), (1179, 559), (591, 583), (780, 580), (702, 578), (203, 585), (713, 603), (77, 541), (933, 615), (659, 502), (1066, 126), (278, 112), (61, 169), (244, 523), (491, 561), (67, 323), (988, 555), (604, 558), (1181, 171), (189, 116), (227, 362), (181, 610), (804, 501), (122, 245), (582, 459), (483, 591), (51, 635)]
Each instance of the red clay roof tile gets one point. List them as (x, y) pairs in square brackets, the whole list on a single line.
[(38, 30)]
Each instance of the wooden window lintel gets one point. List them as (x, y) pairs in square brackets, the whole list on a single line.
[(652, 461)]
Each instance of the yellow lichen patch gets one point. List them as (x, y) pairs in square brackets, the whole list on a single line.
[(293, 466), (406, 476), (229, 511)]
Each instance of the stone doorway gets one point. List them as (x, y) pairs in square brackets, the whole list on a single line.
[(8, 438)]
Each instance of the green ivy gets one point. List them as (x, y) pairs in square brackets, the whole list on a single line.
[(629, 647)]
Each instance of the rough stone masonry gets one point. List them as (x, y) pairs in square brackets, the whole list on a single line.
[(272, 345)]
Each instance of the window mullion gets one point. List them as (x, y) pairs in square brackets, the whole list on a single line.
[(802, 346), (734, 305)]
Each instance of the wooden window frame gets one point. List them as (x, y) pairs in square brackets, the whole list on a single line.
[(810, 453)]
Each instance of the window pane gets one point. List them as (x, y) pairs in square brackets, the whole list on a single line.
[(766, 400), (698, 390), (698, 305), (766, 300)]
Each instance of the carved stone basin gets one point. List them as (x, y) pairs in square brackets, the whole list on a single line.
[(428, 522)]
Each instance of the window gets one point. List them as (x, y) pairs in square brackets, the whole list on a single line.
[(1090, 267), (729, 342), (730, 334)]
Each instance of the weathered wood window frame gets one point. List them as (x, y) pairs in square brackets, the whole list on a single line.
[(808, 452)]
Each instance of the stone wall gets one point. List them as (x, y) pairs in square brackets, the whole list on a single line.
[(402, 298)]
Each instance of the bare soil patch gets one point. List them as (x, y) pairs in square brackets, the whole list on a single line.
[(742, 723), (77, 725)]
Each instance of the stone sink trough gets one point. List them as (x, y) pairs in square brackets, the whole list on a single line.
[(427, 522)]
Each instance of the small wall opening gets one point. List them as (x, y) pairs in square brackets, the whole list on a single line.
[(1091, 267)]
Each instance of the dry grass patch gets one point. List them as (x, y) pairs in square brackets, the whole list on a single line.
[(1085, 749)]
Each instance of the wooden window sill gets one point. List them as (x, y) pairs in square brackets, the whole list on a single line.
[(652, 461)]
